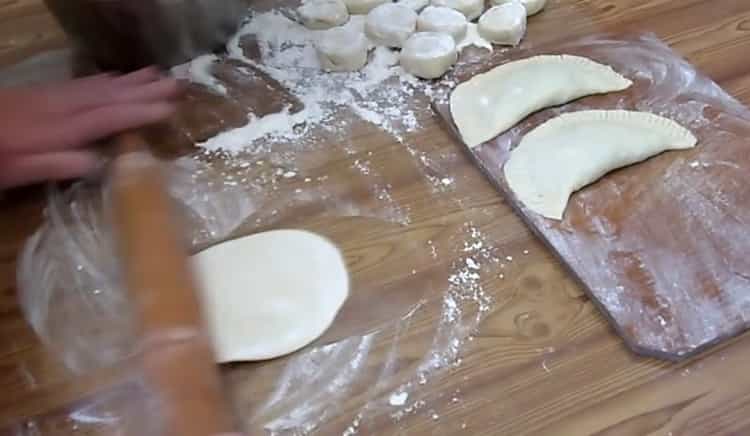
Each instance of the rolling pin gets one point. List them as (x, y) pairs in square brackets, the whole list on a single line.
[(175, 349)]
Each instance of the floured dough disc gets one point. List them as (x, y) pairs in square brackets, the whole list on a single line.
[(443, 20), (342, 49), (391, 24), (504, 24), (270, 294), (415, 5), (471, 9), (323, 14), (361, 7), (429, 55), (533, 7)]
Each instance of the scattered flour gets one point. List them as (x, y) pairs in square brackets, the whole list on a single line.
[(381, 94), (199, 71)]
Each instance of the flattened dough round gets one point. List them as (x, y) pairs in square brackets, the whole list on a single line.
[(533, 7), (361, 7), (270, 294), (576, 149), (323, 14), (504, 24), (472, 9), (429, 55), (443, 20), (342, 49), (391, 24)]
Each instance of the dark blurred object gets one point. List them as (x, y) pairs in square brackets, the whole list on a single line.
[(124, 35)]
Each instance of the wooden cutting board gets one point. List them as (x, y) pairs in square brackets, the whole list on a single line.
[(662, 247)]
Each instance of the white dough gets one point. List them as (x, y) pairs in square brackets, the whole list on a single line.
[(342, 49), (471, 9), (270, 294), (443, 20), (323, 14), (361, 7), (474, 38), (576, 149), (391, 24), (415, 5), (491, 103), (429, 55), (533, 7), (504, 24)]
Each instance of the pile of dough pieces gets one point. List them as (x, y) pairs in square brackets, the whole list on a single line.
[(428, 32)]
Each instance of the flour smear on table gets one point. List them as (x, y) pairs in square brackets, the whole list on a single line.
[(288, 55)]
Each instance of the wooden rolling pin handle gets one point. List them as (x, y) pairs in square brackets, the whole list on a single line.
[(176, 351)]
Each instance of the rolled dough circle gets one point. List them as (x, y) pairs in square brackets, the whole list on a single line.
[(270, 294), (361, 7), (391, 24), (443, 20), (504, 24), (429, 55), (415, 5), (342, 49), (323, 14), (533, 7), (471, 9)]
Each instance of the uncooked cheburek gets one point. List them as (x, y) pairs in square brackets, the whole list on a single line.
[(576, 149), (270, 294), (491, 103)]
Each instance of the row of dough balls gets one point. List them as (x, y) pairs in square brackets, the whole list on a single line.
[(426, 31)]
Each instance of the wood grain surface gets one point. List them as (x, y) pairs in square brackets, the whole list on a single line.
[(674, 281), (543, 361)]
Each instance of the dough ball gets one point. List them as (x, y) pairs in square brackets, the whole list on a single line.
[(471, 9), (415, 5), (342, 49), (443, 20), (532, 6), (323, 14), (391, 24), (504, 24), (429, 55), (361, 7)]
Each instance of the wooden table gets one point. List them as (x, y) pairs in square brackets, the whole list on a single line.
[(542, 361)]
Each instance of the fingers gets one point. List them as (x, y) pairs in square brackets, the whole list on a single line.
[(145, 75), (146, 85), (164, 89), (32, 168), (103, 122), (84, 128)]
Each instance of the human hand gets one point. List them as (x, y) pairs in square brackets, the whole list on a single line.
[(47, 132)]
